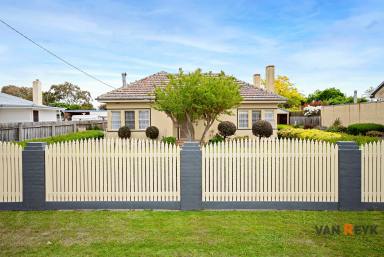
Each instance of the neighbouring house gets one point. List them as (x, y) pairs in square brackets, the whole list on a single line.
[(16, 109), (131, 105), (378, 93), (77, 115)]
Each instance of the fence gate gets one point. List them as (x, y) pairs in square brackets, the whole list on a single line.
[(113, 170), (270, 170)]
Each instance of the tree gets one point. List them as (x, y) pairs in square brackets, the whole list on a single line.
[(284, 87), (22, 92), (196, 96), (68, 94), (332, 96)]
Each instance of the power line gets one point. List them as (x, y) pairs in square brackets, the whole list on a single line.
[(55, 55)]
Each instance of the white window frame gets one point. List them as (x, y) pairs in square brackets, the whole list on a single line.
[(144, 119), (115, 120), (245, 114)]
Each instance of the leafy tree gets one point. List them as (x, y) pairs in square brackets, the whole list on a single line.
[(284, 87), (69, 94), (22, 92), (325, 95), (196, 96)]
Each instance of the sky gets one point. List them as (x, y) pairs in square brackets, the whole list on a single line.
[(317, 44)]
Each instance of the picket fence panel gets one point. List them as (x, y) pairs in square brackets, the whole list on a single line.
[(113, 170), (372, 168), (270, 170), (11, 183)]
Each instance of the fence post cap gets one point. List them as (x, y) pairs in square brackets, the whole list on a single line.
[(35, 146), (347, 145)]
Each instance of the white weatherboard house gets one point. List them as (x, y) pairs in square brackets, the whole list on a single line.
[(16, 109)]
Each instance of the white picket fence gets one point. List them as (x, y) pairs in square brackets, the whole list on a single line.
[(10, 173), (372, 167), (113, 170), (270, 170)]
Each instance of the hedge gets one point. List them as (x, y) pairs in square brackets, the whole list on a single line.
[(316, 134), (68, 137), (363, 128)]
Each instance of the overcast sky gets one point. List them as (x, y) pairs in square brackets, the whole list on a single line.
[(317, 44)]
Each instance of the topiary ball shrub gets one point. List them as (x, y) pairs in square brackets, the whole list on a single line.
[(226, 128), (262, 128), (124, 132), (152, 132)]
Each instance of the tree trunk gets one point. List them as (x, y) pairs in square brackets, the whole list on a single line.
[(207, 127)]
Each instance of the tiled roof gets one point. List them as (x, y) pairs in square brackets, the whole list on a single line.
[(142, 90)]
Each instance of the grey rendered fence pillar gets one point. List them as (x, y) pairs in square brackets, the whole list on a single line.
[(34, 176), (349, 176), (190, 176)]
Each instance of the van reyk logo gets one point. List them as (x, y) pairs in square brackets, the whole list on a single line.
[(346, 229)]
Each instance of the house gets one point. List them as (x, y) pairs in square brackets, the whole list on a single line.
[(131, 105), (16, 109), (77, 115), (378, 93)]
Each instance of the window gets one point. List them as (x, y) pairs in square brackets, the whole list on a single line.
[(143, 119), (243, 119), (130, 119), (115, 124), (256, 115), (269, 116)]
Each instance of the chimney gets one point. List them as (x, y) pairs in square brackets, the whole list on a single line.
[(36, 92), (270, 78), (355, 97), (256, 80), (124, 77)]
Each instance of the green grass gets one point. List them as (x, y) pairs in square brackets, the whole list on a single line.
[(189, 233), (68, 137)]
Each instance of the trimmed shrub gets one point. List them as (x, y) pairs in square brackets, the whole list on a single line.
[(226, 128), (262, 128), (216, 139), (124, 132), (316, 134), (169, 140), (88, 134), (363, 128), (374, 133), (152, 132)]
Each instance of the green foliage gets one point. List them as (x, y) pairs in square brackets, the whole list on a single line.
[(283, 126), (197, 96), (96, 134), (169, 140), (226, 128), (94, 127), (262, 128), (375, 133), (124, 132), (332, 96), (337, 127), (69, 94), (152, 132), (363, 128), (22, 92), (315, 134), (216, 139)]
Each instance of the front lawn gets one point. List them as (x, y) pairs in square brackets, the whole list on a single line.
[(177, 233)]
